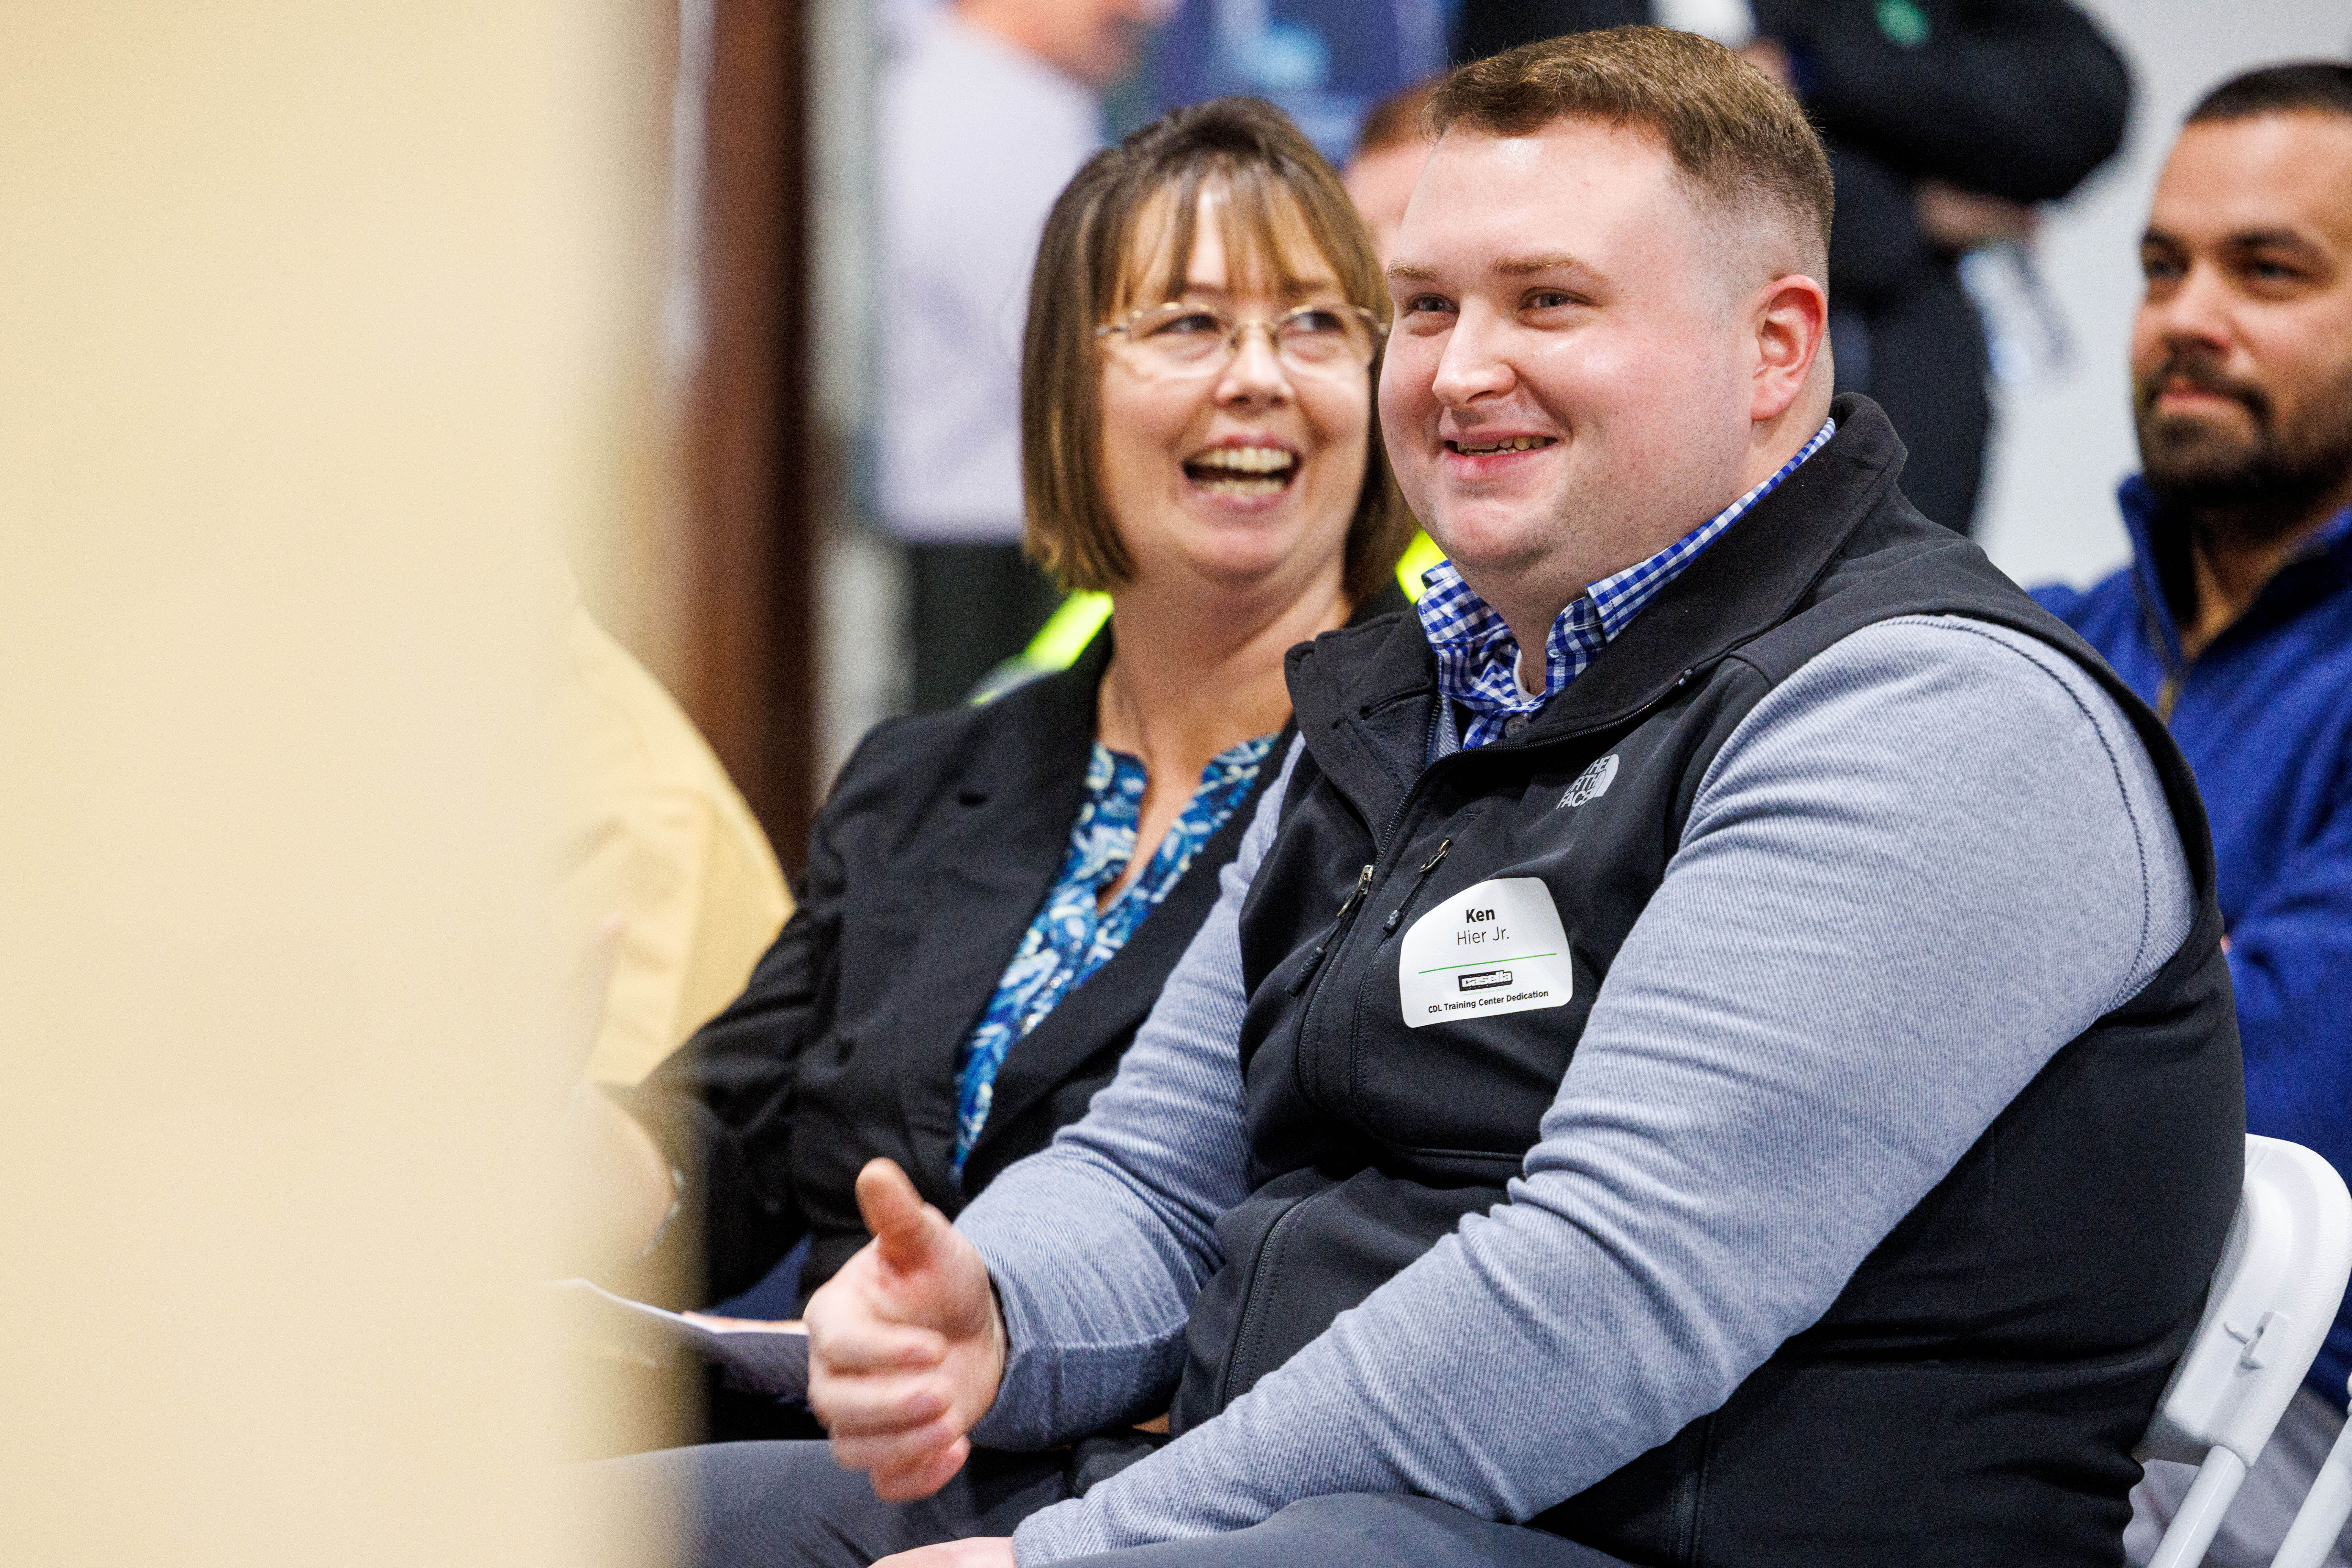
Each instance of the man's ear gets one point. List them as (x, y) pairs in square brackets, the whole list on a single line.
[(1791, 317)]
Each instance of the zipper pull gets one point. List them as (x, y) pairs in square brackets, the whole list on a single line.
[(1389, 925), (1315, 959)]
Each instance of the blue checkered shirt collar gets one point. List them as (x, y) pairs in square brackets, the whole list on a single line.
[(1478, 657)]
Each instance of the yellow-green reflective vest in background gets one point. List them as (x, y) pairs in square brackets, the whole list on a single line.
[(1058, 643)]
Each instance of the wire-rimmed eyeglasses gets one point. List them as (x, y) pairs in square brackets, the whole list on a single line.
[(1183, 338)]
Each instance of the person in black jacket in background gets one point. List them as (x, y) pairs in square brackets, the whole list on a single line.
[(995, 894), (1946, 121)]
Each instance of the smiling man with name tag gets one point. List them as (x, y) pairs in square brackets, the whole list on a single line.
[(1717, 1049)]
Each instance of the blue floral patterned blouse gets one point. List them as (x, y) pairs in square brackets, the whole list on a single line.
[(1069, 939)]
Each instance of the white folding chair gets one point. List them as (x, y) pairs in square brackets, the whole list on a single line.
[(2319, 1523), (2274, 1297)]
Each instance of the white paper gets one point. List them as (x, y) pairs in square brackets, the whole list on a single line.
[(765, 1358), (1494, 947)]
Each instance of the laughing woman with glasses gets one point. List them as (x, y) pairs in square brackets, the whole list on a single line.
[(996, 895)]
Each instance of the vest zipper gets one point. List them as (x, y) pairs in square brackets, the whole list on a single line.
[(1687, 1501), (1339, 933), (1252, 1297), (1346, 909), (1398, 914)]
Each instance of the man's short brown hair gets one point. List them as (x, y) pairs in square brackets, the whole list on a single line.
[(1121, 236), (1739, 137)]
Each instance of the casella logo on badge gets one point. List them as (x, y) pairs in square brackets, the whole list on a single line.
[(1594, 780)]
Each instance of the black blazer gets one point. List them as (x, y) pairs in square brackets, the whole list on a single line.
[(927, 864)]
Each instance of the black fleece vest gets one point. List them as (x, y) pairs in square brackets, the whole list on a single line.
[(1973, 1395)]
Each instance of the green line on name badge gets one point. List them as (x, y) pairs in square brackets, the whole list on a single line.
[(1489, 963)]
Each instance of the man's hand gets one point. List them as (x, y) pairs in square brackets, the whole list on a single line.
[(905, 1345), (980, 1551)]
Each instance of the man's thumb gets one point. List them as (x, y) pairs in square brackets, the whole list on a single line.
[(902, 1223)]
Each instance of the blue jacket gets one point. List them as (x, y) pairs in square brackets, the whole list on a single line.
[(2264, 716)]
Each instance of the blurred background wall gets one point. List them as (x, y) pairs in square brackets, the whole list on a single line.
[(321, 326)]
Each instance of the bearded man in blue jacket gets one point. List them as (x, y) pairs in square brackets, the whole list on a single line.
[(2234, 620)]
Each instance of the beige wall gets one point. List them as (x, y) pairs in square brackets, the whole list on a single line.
[(317, 322)]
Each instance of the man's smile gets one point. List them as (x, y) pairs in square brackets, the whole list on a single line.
[(1499, 445)]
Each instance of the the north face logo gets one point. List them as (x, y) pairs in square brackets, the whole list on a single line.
[(1594, 780)]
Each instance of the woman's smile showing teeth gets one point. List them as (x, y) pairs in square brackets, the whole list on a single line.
[(1242, 470)]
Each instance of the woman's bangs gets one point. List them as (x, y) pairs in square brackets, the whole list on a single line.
[(1270, 241), (1271, 245)]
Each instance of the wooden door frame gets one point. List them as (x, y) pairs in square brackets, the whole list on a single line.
[(749, 511)]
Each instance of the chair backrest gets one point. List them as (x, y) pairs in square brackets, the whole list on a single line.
[(2274, 1296)]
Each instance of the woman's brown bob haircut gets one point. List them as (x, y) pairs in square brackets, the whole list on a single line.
[(1121, 236), (1739, 137)]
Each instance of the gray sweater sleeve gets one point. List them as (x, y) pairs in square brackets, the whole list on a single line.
[(1919, 866)]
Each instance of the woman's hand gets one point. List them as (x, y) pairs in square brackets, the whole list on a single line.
[(980, 1551), (906, 1344)]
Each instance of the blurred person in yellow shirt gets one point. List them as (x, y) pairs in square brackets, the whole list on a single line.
[(652, 829)]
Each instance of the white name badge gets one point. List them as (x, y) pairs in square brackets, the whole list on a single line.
[(1494, 947)]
